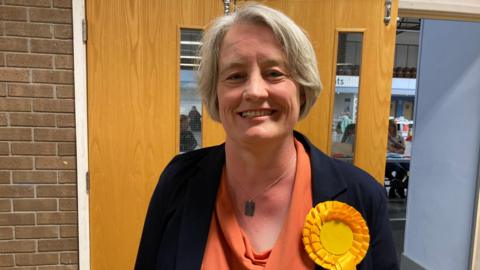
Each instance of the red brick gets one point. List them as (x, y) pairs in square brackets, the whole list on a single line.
[(2, 55), (13, 44), (65, 120), (64, 149), (52, 76), (57, 191), (6, 233), (58, 245), (21, 268), (35, 205), (30, 90), (34, 177), (36, 232), (57, 267), (14, 75), (30, 60), (55, 163), (67, 204), (32, 119), (34, 149), (17, 219), (63, 31), (4, 119), (31, 3), (16, 191), (4, 177), (3, 89), (28, 29), (53, 105), (64, 62), (15, 134), (69, 258), (6, 260), (4, 149), (5, 206), (17, 246), (15, 105), (65, 91), (15, 163), (65, 177), (62, 3), (52, 218), (68, 231), (50, 15), (36, 259), (51, 46), (54, 135), (13, 13)]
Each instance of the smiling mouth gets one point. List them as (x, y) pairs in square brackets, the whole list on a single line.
[(252, 114)]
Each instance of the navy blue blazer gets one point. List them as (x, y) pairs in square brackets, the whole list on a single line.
[(178, 217)]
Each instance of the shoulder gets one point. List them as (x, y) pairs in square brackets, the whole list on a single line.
[(359, 180), (186, 164), (338, 180), (179, 172)]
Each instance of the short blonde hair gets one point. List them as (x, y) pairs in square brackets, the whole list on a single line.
[(301, 59)]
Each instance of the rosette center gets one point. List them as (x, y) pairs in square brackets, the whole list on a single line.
[(336, 237)]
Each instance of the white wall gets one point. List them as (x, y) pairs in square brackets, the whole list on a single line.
[(446, 146)]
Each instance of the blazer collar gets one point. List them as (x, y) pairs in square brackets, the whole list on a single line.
[(327, 181)]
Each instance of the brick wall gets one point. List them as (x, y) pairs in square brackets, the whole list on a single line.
[(38, 218)]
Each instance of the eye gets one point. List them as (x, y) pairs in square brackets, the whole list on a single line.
[(275, 74), (235, 77)]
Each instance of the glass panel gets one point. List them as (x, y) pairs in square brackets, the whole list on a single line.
[(190, 100), (347, 82)]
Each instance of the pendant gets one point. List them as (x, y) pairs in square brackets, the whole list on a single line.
[(249, 208)]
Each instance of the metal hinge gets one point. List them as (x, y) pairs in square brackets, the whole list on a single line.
[(87, 177), (84, 30)]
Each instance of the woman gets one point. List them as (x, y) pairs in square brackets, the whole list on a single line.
[(396, 143), (187, 139), (242, 205), (396, 172)]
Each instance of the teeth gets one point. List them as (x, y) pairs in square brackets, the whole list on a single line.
[(251, 114)]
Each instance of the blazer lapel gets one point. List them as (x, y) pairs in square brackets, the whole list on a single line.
[(327, 182), (198, 210)]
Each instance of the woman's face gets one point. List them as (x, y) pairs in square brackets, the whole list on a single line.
[(391, 129), (257, 97)]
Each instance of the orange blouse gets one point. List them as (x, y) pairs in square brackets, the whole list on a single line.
[(228, 246)]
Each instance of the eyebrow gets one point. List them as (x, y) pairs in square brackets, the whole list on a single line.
[(239, 63)]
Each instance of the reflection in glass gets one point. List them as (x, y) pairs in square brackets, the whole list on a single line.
[(346, 95), (190, 101)]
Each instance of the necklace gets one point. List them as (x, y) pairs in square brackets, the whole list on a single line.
[(249, 206)]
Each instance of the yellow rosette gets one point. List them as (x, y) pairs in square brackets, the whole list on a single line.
[(335, 235)]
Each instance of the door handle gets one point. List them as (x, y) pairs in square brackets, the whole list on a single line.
[(388, 12)]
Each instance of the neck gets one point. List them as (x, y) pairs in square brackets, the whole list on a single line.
[(255, 167)]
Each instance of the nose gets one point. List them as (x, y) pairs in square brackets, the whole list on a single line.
[(256, 88)]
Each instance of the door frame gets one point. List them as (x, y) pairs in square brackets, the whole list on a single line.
[(413, 8), (81, 132)]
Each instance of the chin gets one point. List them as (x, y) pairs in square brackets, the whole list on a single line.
[(262, 135)]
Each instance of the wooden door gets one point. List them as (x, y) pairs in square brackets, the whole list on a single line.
[(324, 21), (133, 84), (133, 102)]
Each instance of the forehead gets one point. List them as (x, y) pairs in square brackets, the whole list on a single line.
[(249, 39)]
